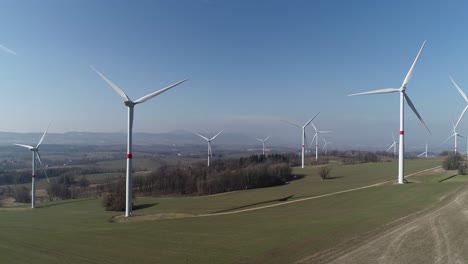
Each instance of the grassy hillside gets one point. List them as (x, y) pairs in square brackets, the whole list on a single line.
[(79, 231)]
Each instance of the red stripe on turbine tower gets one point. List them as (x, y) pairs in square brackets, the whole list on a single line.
[(402, 132), (34, 176), (302, 146), (129, 155)]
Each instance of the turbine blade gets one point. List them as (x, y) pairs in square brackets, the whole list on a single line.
[(310, 121), (42, 166), (459, 89), (266, 138), (216, 135), (312, 142), (393, 136), (460, 135), (291, 123), (461, 116), (448, 138), (315, 128), (260, 139), (391, 147), (115, 87), (410, 72), (42, 138), (24, 146), (321, 132), (411, 105), (152, 95), (382, 91), (202, 136), (421, 154)]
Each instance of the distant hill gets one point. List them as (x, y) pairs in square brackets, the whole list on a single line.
[(179, 137)]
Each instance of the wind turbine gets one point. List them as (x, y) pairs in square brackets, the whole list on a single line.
[(303, 134), (263, 143), (35, 153), (316, 136), (393, 145), (325, 145), (210, 153), (424, 153), (455, 135), (464, 97), (131, 104), (403, 97)]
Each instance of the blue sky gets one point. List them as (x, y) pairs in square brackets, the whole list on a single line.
[(249, 64)]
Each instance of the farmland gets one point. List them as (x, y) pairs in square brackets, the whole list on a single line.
[(80, 231)]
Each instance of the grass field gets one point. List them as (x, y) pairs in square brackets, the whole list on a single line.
[(79, 231)]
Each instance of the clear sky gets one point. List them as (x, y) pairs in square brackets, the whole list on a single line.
[(249, 64)]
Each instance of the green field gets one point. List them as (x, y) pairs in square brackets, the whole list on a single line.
[(79, 231)]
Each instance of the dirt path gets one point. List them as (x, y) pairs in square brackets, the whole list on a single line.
[(438, 236), (138, 218)]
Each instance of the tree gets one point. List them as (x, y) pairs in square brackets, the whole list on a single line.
[(452, 162), (114, 199), (324, 172)]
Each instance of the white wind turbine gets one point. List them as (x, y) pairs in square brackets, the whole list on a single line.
[(35, 153), (316, 136), (464, 97), (210, 153), (131, 104), (403, 97), (303, 135), (455, 135), (424, 153), (325, 145), (263, 143), (393, 145)]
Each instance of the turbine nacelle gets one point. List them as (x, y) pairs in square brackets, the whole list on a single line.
[(130, 103)]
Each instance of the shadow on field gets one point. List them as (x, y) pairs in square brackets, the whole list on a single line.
[(143, 206), (448, 178), (284, 199), (334, 177)]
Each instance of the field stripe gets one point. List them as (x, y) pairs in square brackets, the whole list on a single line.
[(315, 197)]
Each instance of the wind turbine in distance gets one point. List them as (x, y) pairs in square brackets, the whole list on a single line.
[(263, 143), (393, 145), (35, 153), (316, 136), (455, 135), (131, 104), (325, 146), (210, 153), (403, 97), (424, 153), (303, 134), (464, 97)]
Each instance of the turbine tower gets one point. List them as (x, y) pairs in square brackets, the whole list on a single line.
[(455, 135), (131, 104), (393, 145), (263, 143), (303, 134), (403, 97), (210, 153), (316, 136), (35, 153), (464, 97), (424, 153)]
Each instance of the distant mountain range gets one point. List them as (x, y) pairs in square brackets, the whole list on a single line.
[(179, 137)]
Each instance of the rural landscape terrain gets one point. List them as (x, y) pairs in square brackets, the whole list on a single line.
[(358, 214)]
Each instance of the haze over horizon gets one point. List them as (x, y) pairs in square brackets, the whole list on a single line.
[(250, 64)]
